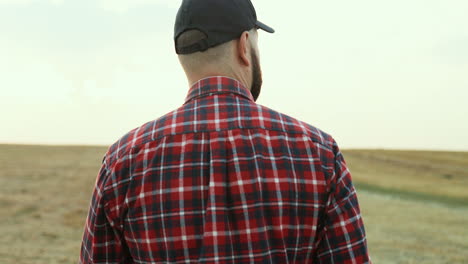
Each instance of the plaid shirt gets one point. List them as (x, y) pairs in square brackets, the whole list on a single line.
[(224, 180)]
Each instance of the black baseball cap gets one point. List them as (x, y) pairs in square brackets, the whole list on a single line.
[(219, 20)]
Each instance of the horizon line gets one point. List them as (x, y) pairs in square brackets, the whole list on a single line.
[(341, 148)]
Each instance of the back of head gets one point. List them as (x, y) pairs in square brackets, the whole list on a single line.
[(219, 57), (205, 29)]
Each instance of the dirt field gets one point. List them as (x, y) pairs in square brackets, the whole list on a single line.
[(414, 204)]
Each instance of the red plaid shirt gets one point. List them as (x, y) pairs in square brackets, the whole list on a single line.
[(224, 180)]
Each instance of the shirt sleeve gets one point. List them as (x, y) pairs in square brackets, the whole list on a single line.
[(343, 238), (101, 242)]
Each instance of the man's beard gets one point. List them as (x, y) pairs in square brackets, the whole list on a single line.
[(256, 76)]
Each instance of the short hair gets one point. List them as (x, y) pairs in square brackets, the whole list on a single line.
[(214, 55), (219, 55)]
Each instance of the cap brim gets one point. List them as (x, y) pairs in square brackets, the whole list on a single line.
[(264, 27)]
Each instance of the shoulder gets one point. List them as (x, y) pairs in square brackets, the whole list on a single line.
[(137, 137), (288, 124)]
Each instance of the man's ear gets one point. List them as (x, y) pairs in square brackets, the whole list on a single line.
[(243, 50)]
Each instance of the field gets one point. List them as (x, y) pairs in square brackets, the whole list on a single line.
[(414, 203)]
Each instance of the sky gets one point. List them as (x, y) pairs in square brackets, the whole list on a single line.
[(373, 74)]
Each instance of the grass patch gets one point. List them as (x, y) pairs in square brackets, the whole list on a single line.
[(417, 196)]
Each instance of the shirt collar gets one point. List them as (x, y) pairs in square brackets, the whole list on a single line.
[(217, 85)]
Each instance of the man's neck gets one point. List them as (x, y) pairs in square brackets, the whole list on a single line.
[(195, 78)]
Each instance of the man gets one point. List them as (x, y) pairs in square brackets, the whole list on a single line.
[(223, 179)]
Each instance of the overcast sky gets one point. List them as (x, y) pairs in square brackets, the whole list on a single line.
[(373, 74)]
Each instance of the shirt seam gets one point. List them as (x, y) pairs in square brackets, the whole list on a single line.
[(223, 130), (207, 94)]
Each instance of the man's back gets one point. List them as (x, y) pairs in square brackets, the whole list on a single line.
[(224, 180)]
